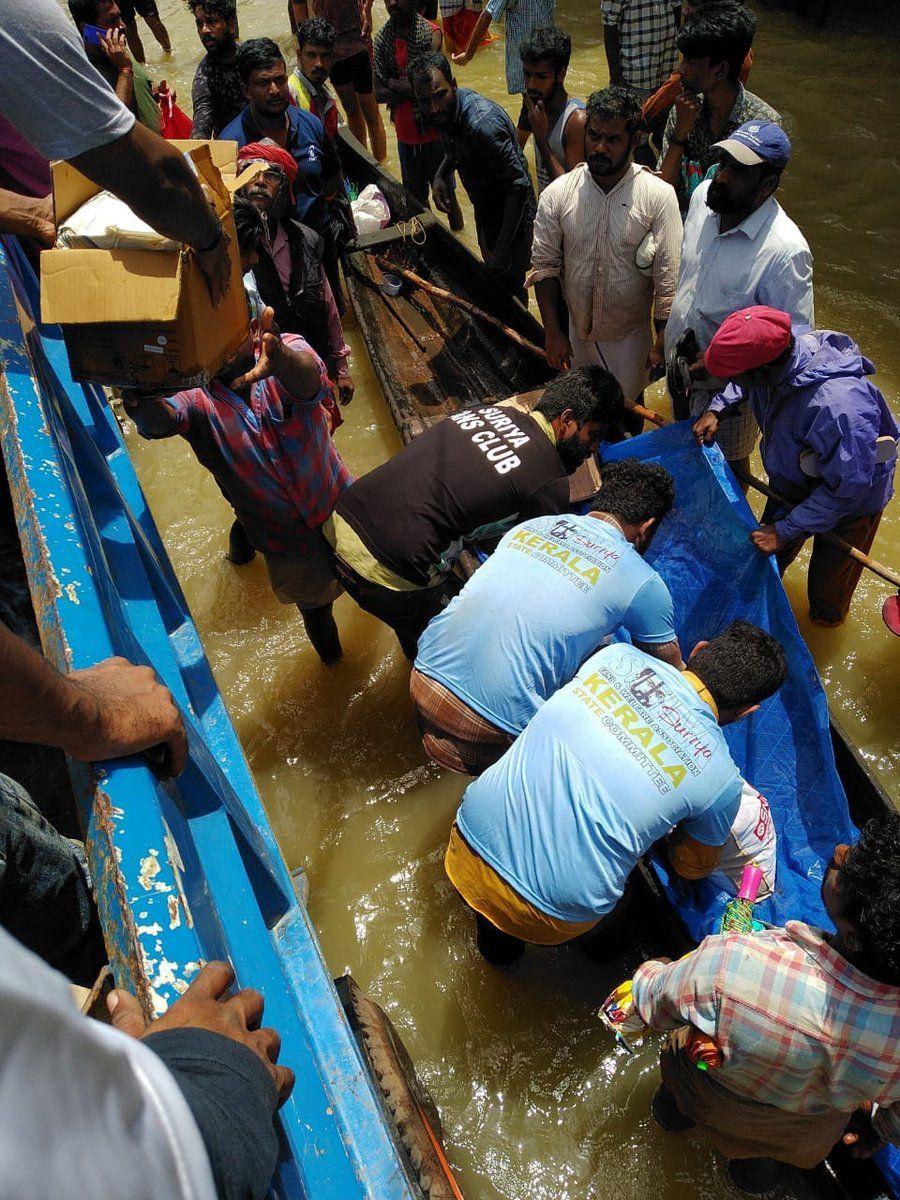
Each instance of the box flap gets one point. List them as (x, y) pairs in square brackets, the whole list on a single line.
[(246, 176), (83, 287), (70, 190), (223, 154)]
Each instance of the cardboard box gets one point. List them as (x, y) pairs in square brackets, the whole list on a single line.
[(144, 318)]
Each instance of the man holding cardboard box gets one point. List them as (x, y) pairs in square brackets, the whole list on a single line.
[(65, 109), (262, 429)]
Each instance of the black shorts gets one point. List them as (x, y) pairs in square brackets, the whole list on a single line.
[(355, 70), (145, 8)]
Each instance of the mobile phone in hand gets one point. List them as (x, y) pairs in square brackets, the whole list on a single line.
[(93, 34)]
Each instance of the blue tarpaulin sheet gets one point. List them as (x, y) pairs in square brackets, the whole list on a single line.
[(715, 575)]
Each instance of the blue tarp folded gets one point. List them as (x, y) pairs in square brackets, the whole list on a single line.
[(715, 575)]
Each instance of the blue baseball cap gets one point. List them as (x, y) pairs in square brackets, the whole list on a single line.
[(756, 142)]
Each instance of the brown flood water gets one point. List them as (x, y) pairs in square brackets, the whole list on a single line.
[(535, 1101)]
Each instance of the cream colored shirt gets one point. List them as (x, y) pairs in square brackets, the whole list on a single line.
[(588, 239)]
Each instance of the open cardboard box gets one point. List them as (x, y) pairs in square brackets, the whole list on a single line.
[(144, 318)]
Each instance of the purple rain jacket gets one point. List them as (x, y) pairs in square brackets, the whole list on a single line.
[(823, 402)]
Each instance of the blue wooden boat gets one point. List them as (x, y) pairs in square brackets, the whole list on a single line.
[(189, 870)]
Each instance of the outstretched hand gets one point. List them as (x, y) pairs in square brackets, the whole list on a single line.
[(267, 347)]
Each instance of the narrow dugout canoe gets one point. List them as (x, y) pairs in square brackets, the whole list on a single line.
[(430, 357)]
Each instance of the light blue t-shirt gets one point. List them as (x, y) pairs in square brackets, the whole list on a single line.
[(608, 766), (553, 589)]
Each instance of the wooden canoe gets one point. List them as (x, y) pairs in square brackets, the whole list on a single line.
[(432, 358)]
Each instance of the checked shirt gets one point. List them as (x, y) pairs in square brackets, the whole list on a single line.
[(799, 1027), (647, 34), (272, 457)]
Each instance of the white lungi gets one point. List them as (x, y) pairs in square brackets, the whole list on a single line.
[(626, 357)]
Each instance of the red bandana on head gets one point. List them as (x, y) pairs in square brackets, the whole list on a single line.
[(267, 151)]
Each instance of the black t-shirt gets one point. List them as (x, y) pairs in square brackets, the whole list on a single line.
[(472, 468)]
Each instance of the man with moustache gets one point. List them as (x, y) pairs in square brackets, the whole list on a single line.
[(590, 225), (554, 117), (740, 249), (308, 82), (216, 93), (479, 142)]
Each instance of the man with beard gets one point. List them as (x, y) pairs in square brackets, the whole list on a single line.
[(393, 529), (216, 94), (488, 662), (269, 114), (807, 1022), (308, 82), (740, 249), (479, 141), (406, 35), (714, 46), (110, 56), (590, 226), (555, 118)]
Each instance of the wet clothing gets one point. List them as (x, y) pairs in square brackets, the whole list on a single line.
[(482, 145), (306, 580), (520, 18), (306, 144), (216, 97), (699, 155), (355, 71), (471, 469), (647, 32), (764, 260), (393, 52), (555, 139), (194, 1109), (822, 401), (505, 655), (454, 734), (316, 100), (605, 769), (739, 1126), (799, 1027), (45, 894), (48, 90), (419, 163), (273, 456)]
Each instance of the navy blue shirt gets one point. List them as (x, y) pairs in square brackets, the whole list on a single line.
[(482, 145), (305, 144)]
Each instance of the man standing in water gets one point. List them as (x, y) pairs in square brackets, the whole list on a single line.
[(829, 443), (589, 229), (739, 243), (714, 47), (808, 1024), (216, 93), (555, 118), (479, 142)]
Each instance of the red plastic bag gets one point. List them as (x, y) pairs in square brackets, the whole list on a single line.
[(173, 121)]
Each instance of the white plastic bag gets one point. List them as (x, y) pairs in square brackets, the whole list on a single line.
[(370, 211), (106, 223)]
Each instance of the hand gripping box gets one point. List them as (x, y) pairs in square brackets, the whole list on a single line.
[(144, 318)]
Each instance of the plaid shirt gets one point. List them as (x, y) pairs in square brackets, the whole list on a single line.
[(521, 17), (273, 456), (798, 1026), (647, 34)]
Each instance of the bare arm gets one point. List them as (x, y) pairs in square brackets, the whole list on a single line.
[(27, 216), (102, 712), (613, 47), (556, 339), (481, 27), (692, 859), (573, 142), (668, 652), (156, 182)]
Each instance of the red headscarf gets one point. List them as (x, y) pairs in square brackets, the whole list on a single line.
[(267, 151)]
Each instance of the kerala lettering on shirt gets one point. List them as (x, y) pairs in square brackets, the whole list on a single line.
[(553, 589), (588, 239), (764, 260), (605, 768)]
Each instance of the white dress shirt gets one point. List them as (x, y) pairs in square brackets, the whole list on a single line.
[(764, 260), (588, 238)]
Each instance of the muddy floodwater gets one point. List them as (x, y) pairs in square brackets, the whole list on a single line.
[(536, 1102)]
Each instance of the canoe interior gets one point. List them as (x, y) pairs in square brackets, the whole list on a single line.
[(430, 357)]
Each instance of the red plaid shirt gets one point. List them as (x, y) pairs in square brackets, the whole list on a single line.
[(798, 1026), (272, 457)]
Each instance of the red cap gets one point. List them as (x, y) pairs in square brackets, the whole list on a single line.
[(747, 339)]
